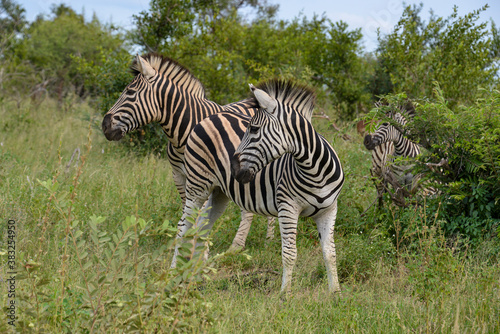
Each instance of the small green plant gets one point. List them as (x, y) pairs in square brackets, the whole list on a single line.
[(106, 280)]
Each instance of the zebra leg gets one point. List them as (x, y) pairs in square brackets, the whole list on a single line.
[(380, 193), (242, 233), (214, 207), (288, 228), (326, 224), (244, 228), (182, 226), (270, 228), (180, 184)]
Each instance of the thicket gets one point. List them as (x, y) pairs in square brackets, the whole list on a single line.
[(460, 162), (448, 68), (38, 57)]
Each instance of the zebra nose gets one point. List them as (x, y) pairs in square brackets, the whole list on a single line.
[(106, 123), (109, 132), (242, 175), (368, 142), (235, 164)]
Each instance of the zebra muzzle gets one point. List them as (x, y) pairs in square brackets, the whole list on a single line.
[(369, 142), (242, 175), (107, 129)]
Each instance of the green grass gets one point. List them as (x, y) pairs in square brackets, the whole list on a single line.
[(424, 286)]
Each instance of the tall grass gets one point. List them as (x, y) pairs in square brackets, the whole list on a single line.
[(94, 232)]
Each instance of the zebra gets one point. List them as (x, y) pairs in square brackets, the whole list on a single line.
[(166, 92), (272, 164), (387, 143)]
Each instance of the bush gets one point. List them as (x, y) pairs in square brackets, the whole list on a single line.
[(463, 159)]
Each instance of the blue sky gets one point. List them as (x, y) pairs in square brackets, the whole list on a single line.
[(365, 14)]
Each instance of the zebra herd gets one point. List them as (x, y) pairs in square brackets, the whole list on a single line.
[(261, 152), (165, 92)]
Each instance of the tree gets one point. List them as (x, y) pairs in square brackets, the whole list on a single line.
[(453, 51), (334, 56), (224, 49), (12, 22), (50, 45)]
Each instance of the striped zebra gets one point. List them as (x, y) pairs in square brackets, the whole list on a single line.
[(164, 91), (283, 168), (386, 144)]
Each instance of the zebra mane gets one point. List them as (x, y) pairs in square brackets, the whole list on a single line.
[(298, 96), (174, 71)]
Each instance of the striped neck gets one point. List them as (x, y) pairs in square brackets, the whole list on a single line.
[(181, 110), (405, 147), (315, 158)]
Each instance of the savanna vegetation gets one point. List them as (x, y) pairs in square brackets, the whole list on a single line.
[(94, 220)]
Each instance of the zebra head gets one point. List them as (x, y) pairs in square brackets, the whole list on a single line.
[(385, 132), (131, 110), (264, 140)]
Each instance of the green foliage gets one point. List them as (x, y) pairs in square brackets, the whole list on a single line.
[(12, 22), (47, 48), (464, 142), (383, 286), (461, 158), (164, 22), (119, 286), (105, 76), (454, 52), (223, 50)]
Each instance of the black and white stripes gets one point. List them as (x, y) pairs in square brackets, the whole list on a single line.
[(283, 168), (164, 91), (387, 143)]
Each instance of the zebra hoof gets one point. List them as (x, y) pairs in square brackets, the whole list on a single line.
[(235, 249)]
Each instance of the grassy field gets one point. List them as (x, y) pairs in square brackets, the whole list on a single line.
[(84, 265)]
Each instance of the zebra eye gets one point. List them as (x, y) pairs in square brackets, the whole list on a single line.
[(130, 91), (385, 124), (254, 129)]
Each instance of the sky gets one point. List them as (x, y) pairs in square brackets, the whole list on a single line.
[(365, 14)]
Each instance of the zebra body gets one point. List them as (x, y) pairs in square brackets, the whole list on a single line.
[(164, 91), (303, 180)]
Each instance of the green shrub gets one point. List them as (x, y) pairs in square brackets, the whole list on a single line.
[(464, 145)]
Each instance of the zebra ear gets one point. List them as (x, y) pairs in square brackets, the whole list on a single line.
[(143, 66), (265, 101)]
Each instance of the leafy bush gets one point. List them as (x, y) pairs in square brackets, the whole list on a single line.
[(47, 47), (463, 159)]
